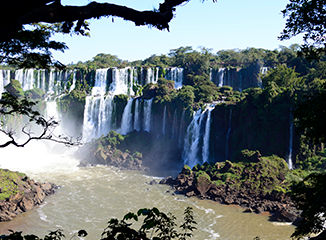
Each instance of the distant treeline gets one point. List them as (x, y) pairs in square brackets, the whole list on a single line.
[(197, 62)]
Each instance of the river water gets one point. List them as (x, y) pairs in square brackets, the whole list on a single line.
[(89, 197)]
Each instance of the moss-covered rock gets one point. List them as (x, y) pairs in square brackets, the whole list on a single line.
[(15, 88), (18, 193)]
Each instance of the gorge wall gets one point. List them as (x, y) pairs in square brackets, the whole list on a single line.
[(215, 132)]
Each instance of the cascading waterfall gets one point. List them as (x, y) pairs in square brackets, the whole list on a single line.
[(221, 73), (290, 163), (228, 136), (191, 145), (97, 116), (147, 114), (122, 81), (205, 153), (164, 121), (4, 80), (26, 78), (126, 123), (263, 70), (175, 74), (100, 82), (73, 85), (137, 115)]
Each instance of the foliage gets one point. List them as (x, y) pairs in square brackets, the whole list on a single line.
[(282, 76), (309, 196), (31, 49), (310, 114), (156, 225), (250, 172), (306, 17), (9, 183), (11, 105), (101, 60)]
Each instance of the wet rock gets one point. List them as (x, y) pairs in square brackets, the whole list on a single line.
[(153, 182), (284, 216)]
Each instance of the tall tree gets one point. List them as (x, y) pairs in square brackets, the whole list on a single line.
[(306, 17)]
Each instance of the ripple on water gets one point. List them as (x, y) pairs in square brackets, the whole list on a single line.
[(89, 197)]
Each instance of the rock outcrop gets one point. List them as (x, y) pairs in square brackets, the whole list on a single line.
[(251, 186), (19, 193)]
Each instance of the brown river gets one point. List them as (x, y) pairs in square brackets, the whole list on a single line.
[(89, 197)]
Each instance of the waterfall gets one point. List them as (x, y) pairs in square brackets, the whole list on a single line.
[(263, 70), (126, 123), (174, 124), (205, 152), (137, 115), (41, 79), (175, 74), (4, 80), (164, 121), (97, 116), (191, 146), (100, 82), (228, 136), (221, 73), (147, 115), (290, 163), (73, 85), (25, 77), (121, 81), (151, 75)]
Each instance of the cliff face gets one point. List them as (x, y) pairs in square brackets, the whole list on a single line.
[(254, 124), (19, 194)]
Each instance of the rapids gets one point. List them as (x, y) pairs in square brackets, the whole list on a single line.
[(89, 197)]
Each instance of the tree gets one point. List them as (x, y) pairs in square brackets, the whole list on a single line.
[(25, 42), (306, 17), (310, 195), (29, 48), (15, 104), (156, 225)]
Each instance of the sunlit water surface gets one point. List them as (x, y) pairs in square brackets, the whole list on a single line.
[(89, 197)]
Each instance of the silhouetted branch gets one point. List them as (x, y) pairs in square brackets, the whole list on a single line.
[(53, 12)]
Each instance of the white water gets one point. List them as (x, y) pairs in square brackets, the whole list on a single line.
[(205, 153), (147, 115), (89, 197), (221, 73), (4, 80), (137, 115), (126, 123), (192, 139), (164, 121), (175, 74), (97, 116), (100, 82), (290, 163)]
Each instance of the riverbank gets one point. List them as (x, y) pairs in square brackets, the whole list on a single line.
[(19, 193), (259, 185)]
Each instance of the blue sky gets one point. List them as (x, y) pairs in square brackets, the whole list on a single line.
[(227, 24)]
